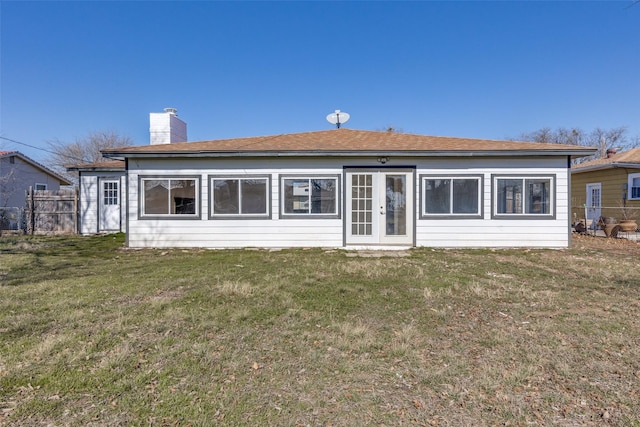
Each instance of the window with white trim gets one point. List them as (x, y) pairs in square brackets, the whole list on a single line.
[(451, 196), (240, 196), (307, 196), (634, 186), (169, 197), (516, 196), (40, 187)]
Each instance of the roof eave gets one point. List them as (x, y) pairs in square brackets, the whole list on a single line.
[(95, 169), (351, 153), (606, 166)]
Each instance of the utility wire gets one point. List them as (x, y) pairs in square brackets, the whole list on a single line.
[(42, 149)]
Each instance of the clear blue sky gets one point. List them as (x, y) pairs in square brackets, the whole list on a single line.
[(234, 69)]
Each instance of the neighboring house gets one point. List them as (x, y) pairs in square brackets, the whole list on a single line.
[(18, 173), (347, 188), (102, 203), (605, 184)]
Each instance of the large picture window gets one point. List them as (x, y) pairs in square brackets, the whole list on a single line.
[(240, 197), (523, 196), (169, 196), (310, 196), (451, 196)]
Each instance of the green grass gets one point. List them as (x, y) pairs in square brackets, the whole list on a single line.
[(94, 334)]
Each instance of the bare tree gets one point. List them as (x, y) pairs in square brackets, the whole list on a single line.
[(604, 139), (7, 187), (83, 150)]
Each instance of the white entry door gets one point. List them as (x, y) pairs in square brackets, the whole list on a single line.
[(379, 207), (109, 215), (594, 201)]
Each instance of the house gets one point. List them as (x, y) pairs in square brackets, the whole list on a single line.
[(102, 203), (603, 185), (17, 174), (345, 188)]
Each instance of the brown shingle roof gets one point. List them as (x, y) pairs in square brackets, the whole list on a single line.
[(108, 165), (345, 141), (625, 157)]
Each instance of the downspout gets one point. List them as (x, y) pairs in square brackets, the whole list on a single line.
[(126, 198), (570, 236)]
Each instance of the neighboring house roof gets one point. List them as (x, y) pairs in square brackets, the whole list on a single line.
[(348, 142), (43, 168), (626, 159), (109, 166)]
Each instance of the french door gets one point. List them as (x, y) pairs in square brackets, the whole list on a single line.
[(379, 207)]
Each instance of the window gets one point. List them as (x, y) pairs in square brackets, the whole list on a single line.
[(169, 197), (634, 186), (110, 193), (240, 197), (455, 196), (310, 196), (523, 196), (40, 187)]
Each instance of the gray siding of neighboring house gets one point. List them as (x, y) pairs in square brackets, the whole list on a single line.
[(17, 177)]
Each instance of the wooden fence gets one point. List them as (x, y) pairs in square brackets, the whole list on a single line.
[(52, 212)]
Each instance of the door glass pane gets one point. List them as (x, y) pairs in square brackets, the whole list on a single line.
[(361, 205), (396, 216), (110, 193)]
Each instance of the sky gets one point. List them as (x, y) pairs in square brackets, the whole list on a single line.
[(491, 70)]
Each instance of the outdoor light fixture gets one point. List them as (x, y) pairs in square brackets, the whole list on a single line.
[(383, 160)]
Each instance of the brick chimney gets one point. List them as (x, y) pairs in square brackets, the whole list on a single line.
[(166, 127), (611, 152)]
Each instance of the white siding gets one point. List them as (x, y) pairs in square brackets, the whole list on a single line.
[(90, 199), (88, 204), (279, 232), (488, 232)]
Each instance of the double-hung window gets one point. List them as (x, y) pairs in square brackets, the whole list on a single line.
[(175, 197), (523, 196), (240, 196), (451, 196), (310, 196), (634, 186)]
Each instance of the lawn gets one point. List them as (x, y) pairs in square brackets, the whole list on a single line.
[(95, 334)]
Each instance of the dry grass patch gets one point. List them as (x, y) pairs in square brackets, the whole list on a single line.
[(93, 335)]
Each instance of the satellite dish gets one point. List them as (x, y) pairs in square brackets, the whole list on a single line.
[(338, 118)]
